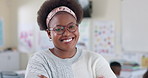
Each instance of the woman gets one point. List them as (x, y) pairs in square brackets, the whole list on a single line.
[(61, 19)]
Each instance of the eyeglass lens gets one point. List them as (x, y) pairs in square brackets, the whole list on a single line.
[(61, 29)]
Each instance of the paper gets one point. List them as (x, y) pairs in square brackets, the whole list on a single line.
[(1, 33), (26, 37), (144, 61), (103, 36)]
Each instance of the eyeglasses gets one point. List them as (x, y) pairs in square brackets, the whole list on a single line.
[(59, 29)]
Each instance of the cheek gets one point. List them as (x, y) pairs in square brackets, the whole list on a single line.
[(77, 34), (53, 35)]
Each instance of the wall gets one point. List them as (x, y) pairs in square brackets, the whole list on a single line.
[(109, 10), (102, 10), (134, 25), (24, 11), (9, 11), (5, 16)]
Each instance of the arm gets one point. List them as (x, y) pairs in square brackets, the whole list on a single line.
[(103, 69), (35, 67), (42, 76)]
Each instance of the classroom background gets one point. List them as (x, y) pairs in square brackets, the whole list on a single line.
[(117, 29)]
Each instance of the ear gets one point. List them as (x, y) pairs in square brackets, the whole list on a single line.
[(48, 32)]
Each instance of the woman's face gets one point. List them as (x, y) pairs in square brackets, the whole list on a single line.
[(66, 40)]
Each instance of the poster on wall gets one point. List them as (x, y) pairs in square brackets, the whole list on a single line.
[(31, 39), (103, 37), (1, 33), (84, 29), (26, 37)]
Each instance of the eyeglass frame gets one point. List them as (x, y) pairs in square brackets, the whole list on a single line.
[(66, 26)]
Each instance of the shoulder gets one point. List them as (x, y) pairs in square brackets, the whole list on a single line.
[(98, 64), (37, 65), (40, 53), (91, 54), (92, 57), (39, 56)]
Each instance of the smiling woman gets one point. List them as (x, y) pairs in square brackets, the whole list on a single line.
[(60, 19)]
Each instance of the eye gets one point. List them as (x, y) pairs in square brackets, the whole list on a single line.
[(72, 27), (58, 28)]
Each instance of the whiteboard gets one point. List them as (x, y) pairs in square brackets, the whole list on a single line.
[(134, 21)]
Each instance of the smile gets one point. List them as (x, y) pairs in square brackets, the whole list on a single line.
[(68, 40)]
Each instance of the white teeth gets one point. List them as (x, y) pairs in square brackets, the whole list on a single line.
[(67, 40)]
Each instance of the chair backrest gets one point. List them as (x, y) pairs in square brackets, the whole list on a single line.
[(1, 75)]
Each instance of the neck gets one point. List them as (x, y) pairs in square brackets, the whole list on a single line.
[(64, 53)]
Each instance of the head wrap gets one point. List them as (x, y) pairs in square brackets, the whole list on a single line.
[(59, 9)]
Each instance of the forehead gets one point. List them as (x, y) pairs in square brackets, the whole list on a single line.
[(62, 18), (116, 67)]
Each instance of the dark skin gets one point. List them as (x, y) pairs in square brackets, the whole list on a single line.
[(116, 70), (41, 76), (64, 44), (63, 49)]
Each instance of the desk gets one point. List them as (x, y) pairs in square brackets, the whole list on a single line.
[(9, 61), (11, 74), (133, 74)]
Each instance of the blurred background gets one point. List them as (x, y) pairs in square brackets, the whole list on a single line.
[(117, 29)]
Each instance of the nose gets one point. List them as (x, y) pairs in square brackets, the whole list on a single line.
[(66, 32)]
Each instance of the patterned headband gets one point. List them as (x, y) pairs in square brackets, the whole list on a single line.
[(59, 9)]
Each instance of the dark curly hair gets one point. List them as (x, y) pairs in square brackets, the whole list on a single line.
[(49, 5), (145, 74)]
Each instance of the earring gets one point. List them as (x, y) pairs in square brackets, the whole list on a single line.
[(50, 39)]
